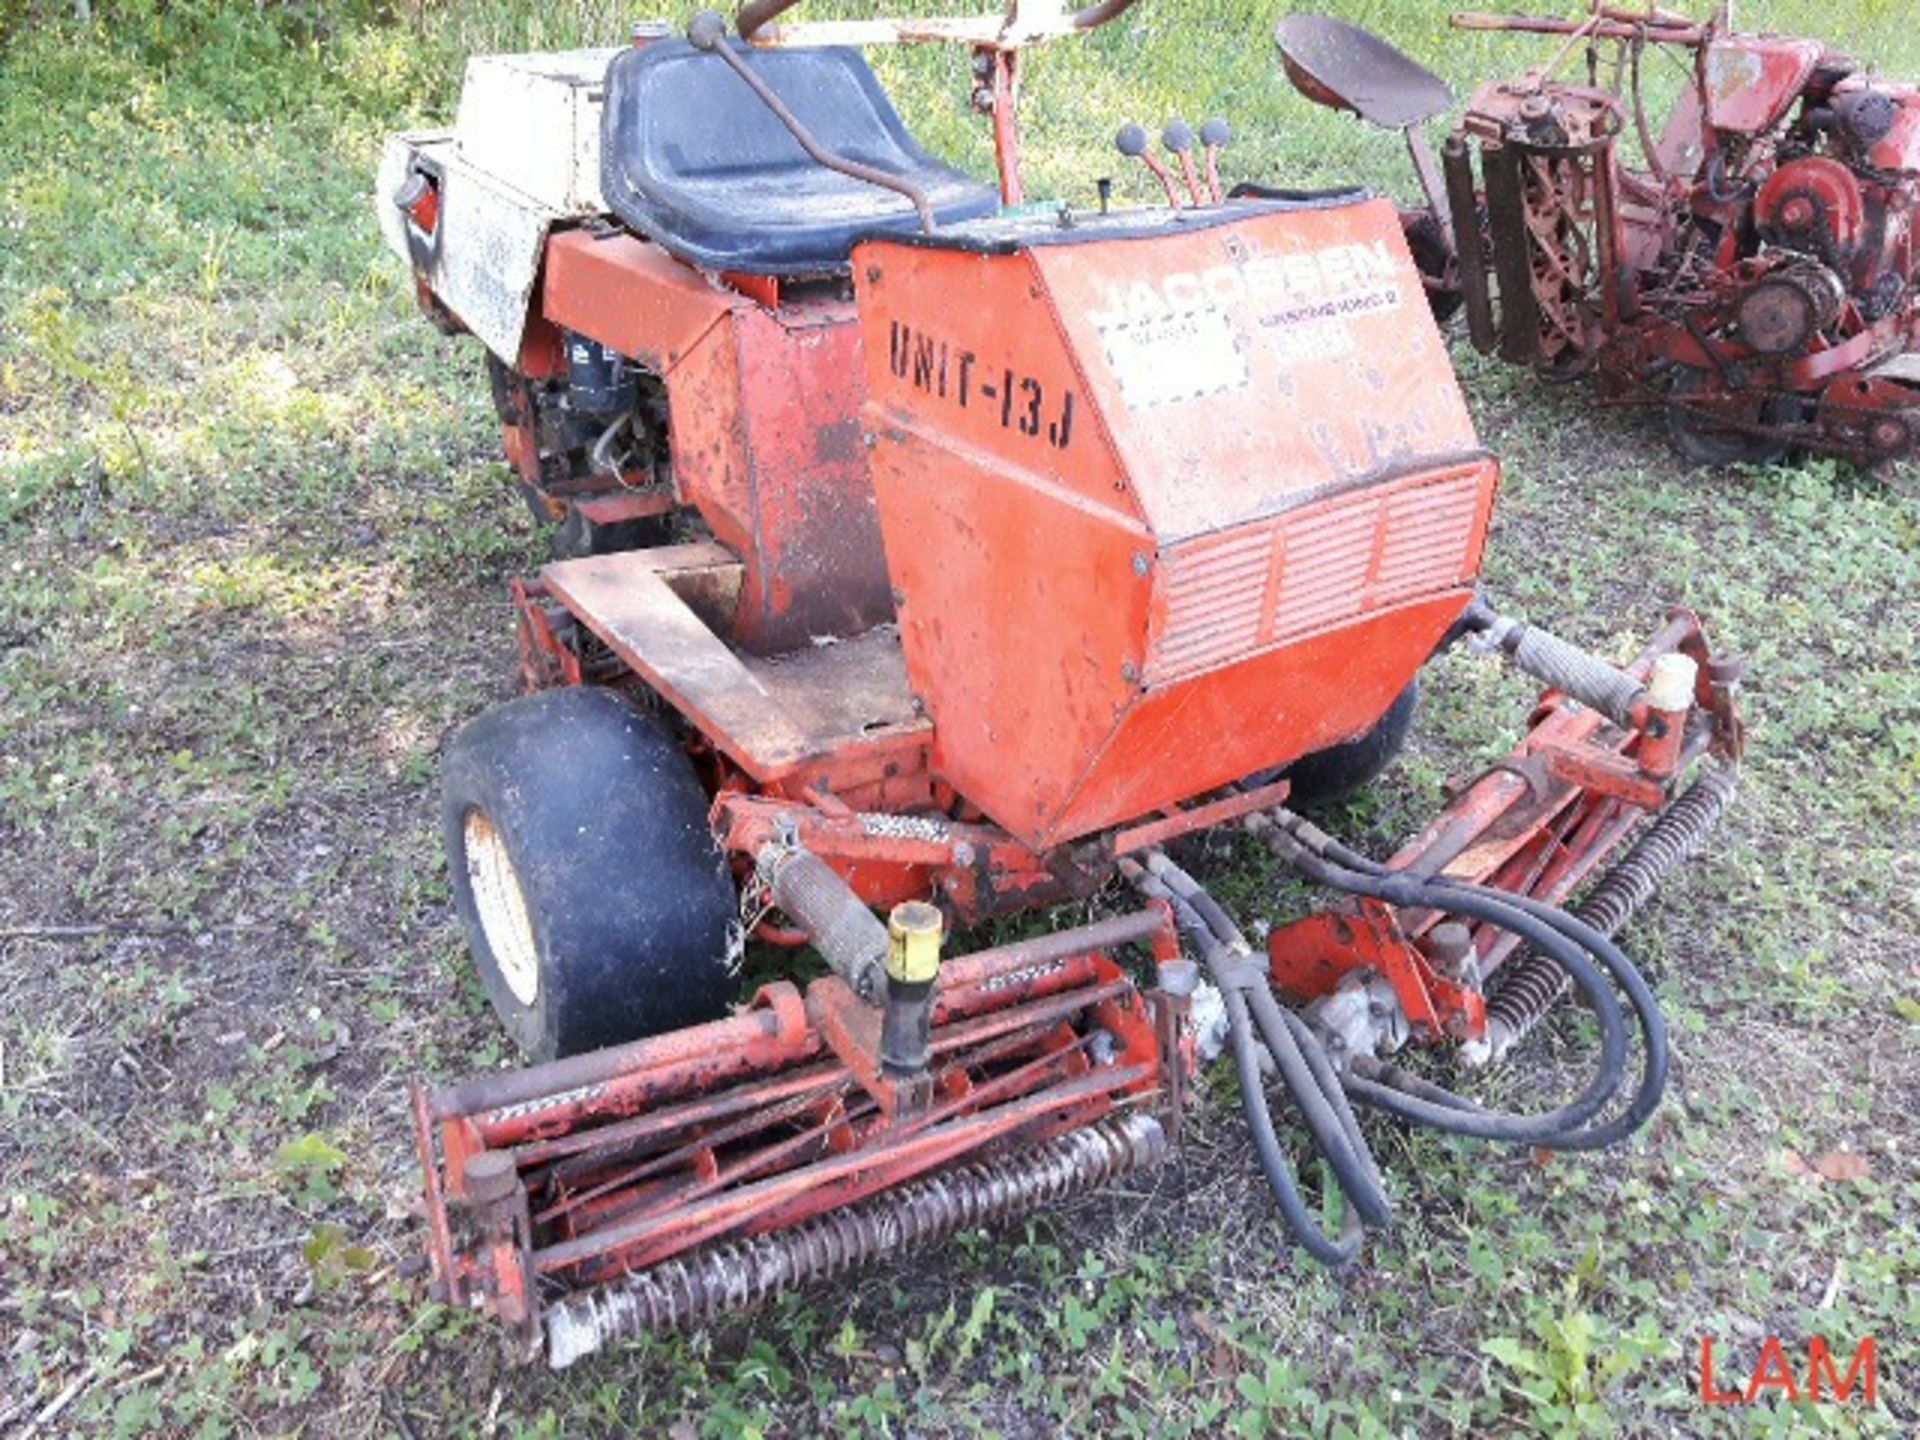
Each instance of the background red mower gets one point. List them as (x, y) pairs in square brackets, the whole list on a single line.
[(1755, 271)]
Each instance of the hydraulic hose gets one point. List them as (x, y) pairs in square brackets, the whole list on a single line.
[(1310, 1075), (1316, 1090), (1326, 860), (1412, 893), (1256, 1020), (1653, 1025), (1266, 1145), (1323, 1096)]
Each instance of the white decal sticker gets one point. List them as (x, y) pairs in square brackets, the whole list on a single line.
[(1158, 359), (1171, 338)]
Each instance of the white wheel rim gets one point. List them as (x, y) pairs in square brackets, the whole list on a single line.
[(501, 906)]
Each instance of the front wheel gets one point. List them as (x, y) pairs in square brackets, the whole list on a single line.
[(596, 904)]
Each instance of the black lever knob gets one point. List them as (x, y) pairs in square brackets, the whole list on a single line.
[(1177, 137), (1131, 141), (706, 30), (1216, 132)]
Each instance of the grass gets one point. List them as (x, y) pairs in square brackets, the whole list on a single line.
[(253, 533)]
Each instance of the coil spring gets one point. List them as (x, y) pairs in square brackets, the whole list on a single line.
[(1530, 986), (743, 1273)]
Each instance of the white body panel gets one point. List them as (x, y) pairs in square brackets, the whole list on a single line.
[(533, 123), (524, 154)]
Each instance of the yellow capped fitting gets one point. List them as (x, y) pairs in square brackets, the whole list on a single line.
[(913, 942)]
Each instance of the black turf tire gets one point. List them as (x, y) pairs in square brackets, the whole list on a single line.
[(1341, 770), (629, 905)]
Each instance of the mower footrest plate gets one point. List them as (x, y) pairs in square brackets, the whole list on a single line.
[(769, 713)]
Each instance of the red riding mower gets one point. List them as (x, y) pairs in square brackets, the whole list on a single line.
[(1757, 274), (1011, 543)]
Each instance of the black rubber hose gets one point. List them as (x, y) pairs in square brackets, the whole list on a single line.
[(1217, 919), (1335, 1090), (1545, 1129), (1388, 1073), (1273, 1157), (1305, 1070), (1334, 1135), (1646, 1008), (1309, 1075)]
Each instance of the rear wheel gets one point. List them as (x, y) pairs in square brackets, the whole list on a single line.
[(1342, 770), (597, 906)]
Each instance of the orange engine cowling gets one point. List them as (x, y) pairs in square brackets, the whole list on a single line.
[(1168, 497)]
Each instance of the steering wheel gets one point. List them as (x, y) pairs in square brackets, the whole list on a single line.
[(1023, 23), (995, 40)]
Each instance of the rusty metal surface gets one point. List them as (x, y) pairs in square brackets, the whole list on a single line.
[(767, 443), (1751, 81), (515, 1105), (1750, 280), (612, 507), (764, 430), (1539, 823), (587, 1168), (1154, 833), (976, 869), (630, 294), (1526, 990)]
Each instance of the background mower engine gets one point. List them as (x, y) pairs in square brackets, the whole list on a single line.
[(1017, 542), (1755, 272)]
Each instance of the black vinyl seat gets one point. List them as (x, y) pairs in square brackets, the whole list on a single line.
[(692, 159)]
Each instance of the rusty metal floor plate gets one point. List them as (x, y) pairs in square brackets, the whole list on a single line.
[(769, 713)]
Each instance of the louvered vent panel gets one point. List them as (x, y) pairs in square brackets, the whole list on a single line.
[(1231, 594)]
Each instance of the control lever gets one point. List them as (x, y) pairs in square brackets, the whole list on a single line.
[(1178, 138), (1214, 134), (1132, 142), (708, 31)]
